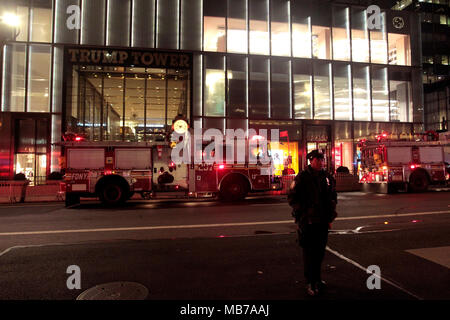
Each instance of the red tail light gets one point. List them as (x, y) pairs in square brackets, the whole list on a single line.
[(413, 166), (221, 166)]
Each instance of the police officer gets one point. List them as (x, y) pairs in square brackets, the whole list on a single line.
[(313, 198)]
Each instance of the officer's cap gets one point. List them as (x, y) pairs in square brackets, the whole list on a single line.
[(315, 154)]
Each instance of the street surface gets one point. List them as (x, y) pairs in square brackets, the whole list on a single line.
[(214, 251)]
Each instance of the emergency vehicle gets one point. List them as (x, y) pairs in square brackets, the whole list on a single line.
[(395, 165), (115, 171)]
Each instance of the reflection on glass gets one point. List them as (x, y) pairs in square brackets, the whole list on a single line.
[(214, 93), (214, 33), (341, 33), (41, 22), (39, 78), (361, 93), (360, 36), (342, 92), (280, 90), (135, 104), (321, 42), (259, 26), (399, 49), (258, 103), (237, 86), (378, 43), (380, 94), (322, 91), (400, 100), (301, 38), (22, 29), (302, 88), (118, 23), (13, 89)]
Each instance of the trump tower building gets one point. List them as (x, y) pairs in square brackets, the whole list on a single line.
[(328, 73)]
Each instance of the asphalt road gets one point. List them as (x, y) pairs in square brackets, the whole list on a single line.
[(207, 250)]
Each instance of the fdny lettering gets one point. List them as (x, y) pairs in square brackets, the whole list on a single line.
[(138, 58), (237, 309), (204, 167), (80, 176)]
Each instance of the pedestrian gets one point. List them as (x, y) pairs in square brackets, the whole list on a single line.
[(313, 198)]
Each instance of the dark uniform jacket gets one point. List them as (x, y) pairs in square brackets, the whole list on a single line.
[(313, 197)]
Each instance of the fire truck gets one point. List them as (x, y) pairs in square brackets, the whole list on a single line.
[(115, 171), (389, 166)]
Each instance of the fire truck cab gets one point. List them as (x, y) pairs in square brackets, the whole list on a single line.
[(114, 172), (394, 165)]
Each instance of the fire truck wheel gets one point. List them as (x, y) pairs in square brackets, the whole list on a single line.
[(233, 188), (418, 182), (112, 193), (72, 199)]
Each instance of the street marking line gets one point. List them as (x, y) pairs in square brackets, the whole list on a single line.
[(199, 225), (393, 215), (365, 270), (32, 205)]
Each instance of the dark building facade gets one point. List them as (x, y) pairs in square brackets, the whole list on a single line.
[(435, 24), (122, 70)]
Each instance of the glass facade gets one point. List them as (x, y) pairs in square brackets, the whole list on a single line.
[(252, 60)]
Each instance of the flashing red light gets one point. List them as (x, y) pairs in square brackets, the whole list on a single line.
[(384, 135), (108, 172), (221, 166), (77, 138), (412, 166)]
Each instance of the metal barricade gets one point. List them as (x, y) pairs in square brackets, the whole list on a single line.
[(45, 192), (346, 182), (12, 191)]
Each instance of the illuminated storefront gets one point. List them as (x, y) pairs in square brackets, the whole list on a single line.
[(309, 68)]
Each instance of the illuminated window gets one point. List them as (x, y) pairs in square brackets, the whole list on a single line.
[(302, 90), (214, 93), (399, 49), (13, 90), (341, 33), (378, 43), (321, 42), (380, 94), (361, 93), (214, 25), (360, 36), (342, 92), (322, 91), (281, 36), (237, 36), (301, 38), (400, 95), (41, 21), (22, 29), (39, 78), (259, 26)]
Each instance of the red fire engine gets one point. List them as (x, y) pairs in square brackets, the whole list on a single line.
[(115, 171), (392, 165)]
